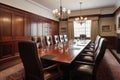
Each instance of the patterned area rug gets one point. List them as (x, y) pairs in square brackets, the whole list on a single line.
[(13, 73), (16, 76)]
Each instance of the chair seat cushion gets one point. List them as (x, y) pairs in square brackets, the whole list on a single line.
[(86, 69), (90, 49), (88, 53), (87, 59), (51, 74)]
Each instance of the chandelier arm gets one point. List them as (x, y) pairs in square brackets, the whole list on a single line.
[(61, 13)]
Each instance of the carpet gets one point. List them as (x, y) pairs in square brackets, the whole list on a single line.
[(16, 76)]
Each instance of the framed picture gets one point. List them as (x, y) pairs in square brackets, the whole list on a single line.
[(106, 28)]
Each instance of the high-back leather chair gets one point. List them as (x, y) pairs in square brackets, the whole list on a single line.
[(90, 56), (56, 39), (88, 69), (49, 40), (83, 36), (61, 38), (93, 47), (33, 66), (100, 51), (34, 38), (43, 42), (97, 39), (37, 40), (65, 38), (97, 42)]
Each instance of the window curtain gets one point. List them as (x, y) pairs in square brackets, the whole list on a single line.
[(70, 29), (94, 28)]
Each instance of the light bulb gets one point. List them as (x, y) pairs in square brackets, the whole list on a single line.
[(63, 10), (68, 11), (81, 17)]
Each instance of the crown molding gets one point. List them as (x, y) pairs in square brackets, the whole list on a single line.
[(39, 5)]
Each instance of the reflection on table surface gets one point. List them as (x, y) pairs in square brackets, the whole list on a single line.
[(63, 52)]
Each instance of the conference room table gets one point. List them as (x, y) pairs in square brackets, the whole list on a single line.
[(63, 52)]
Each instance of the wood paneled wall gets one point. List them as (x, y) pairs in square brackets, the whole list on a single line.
[(15, 25), (111, 42)]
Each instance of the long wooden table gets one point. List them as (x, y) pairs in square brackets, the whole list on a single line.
[(66, 54)]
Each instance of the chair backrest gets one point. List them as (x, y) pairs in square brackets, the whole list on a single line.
[(61, 38), (97, 42), (37, 40), (97, 39), (65, 38), (100, 52), (49, 40), (34, 38), (101, 49), (56, 39), (83, 36), (39, 43), (43, 42), (32, 64)]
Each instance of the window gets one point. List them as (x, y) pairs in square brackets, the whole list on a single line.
[(46, 29), (85, 28), (34, 29), (40, 29)]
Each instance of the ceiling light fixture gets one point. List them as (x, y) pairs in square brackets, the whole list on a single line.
[(61, 13), (80, 19)]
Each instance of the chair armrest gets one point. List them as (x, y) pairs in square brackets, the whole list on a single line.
[(50, 67), (87, 63)]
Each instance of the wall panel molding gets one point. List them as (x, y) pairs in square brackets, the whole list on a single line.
[(15, 25)]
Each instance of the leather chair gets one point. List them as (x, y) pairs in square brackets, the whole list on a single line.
[(37, 40), (65, 38), (97, 39), (93, 44), (82, 36), (56, 39), (49, 40), (43, 42), (34, 38), (89, 69), (39, 43), (90, 56), (34, 69), (61, 38), (93, 47)]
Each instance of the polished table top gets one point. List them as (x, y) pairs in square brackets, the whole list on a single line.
[(64, 52)]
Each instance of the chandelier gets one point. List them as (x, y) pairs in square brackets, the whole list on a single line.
[(81, 19), (61, 13)]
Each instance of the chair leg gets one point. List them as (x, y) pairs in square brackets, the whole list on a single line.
[(70, 75), (59, 70)]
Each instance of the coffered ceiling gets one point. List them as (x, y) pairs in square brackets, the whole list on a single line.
[(74, 4)]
